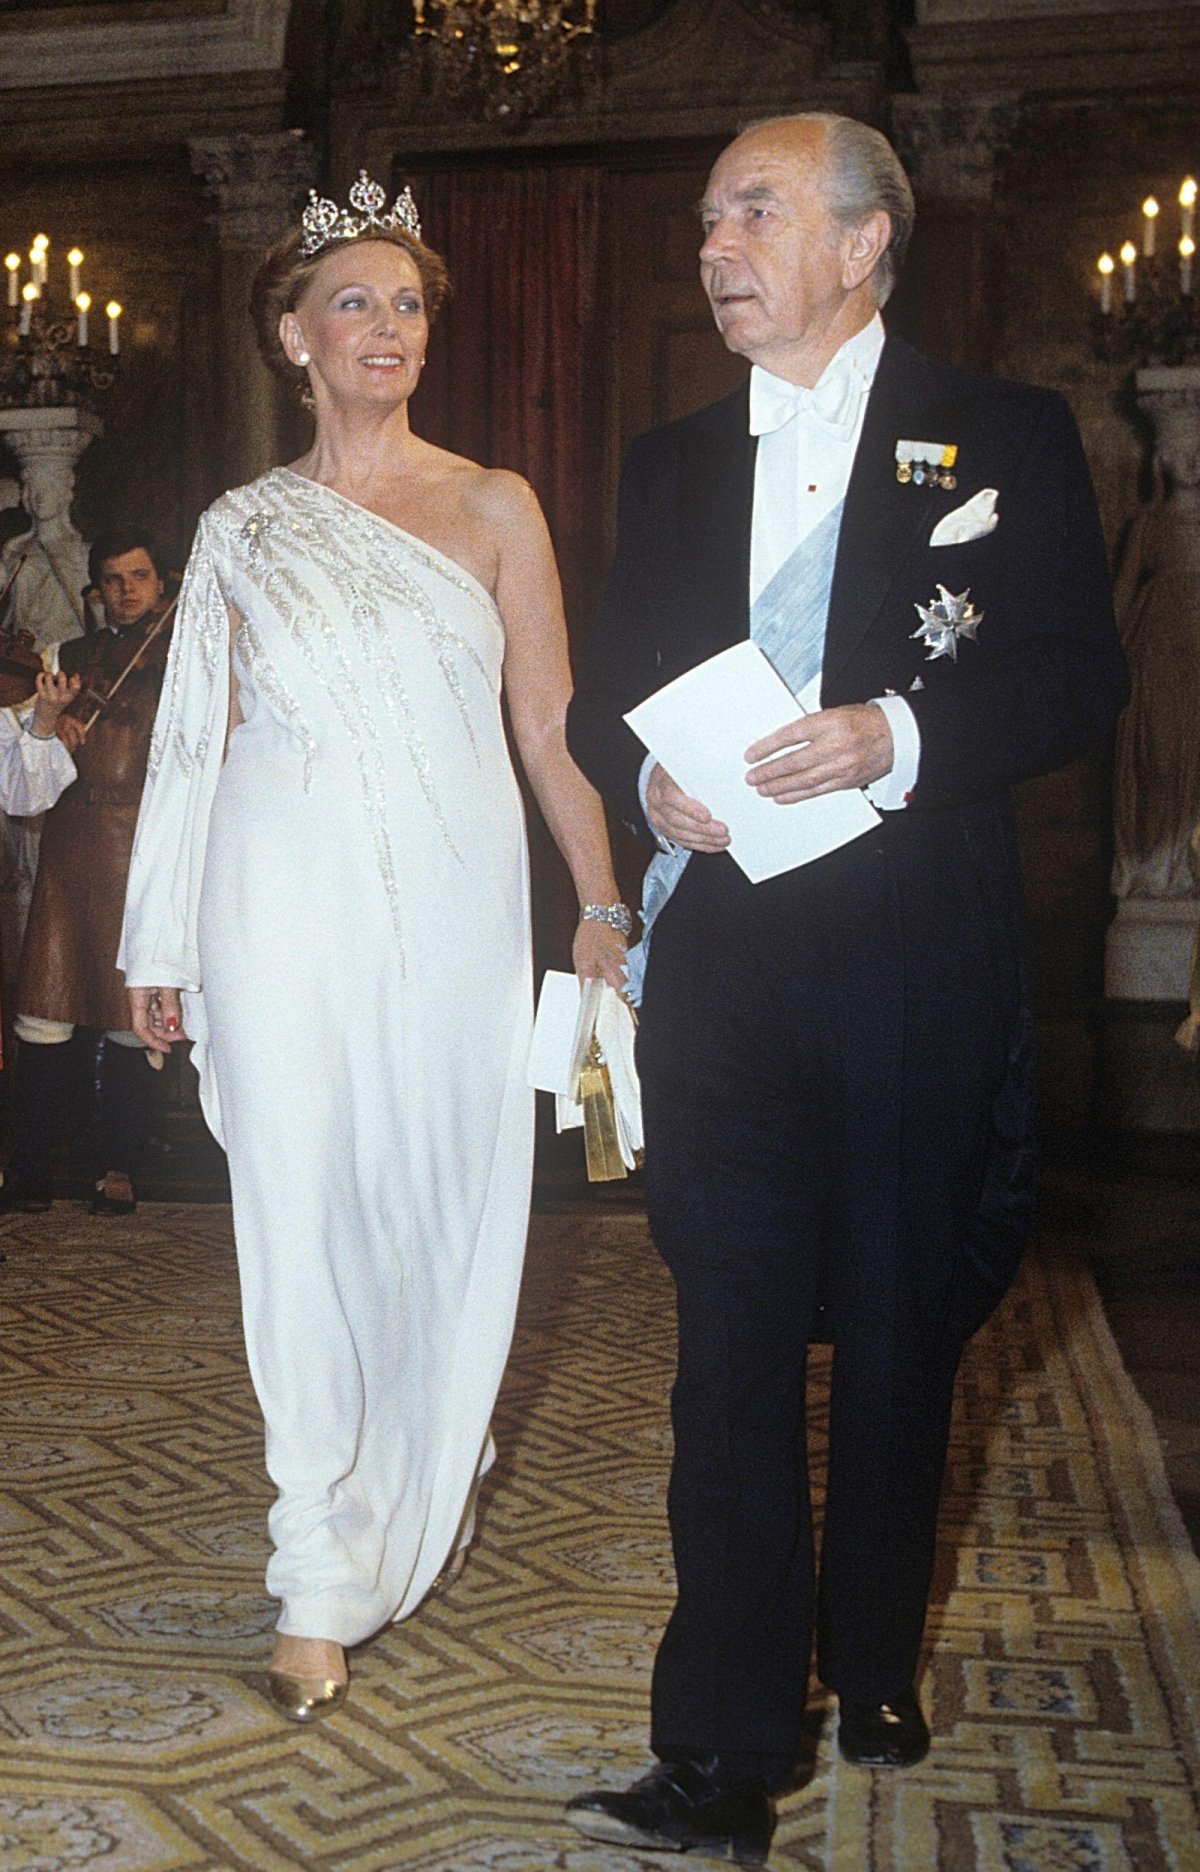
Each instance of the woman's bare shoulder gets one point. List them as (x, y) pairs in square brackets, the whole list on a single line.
[(505, 498)]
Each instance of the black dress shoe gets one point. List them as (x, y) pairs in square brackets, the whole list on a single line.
[(114, 1196), (676, 1808), (883, 1735)]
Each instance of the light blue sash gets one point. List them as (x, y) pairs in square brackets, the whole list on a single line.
[(787, 622)]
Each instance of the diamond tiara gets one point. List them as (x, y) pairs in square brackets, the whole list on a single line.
[(323, 222)]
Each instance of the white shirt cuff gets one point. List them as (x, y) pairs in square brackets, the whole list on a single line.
[(890, 793), (644, 772)]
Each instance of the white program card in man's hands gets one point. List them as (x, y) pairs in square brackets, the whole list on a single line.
[(699, 727)]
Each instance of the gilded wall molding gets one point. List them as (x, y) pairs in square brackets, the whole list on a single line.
[(132, 120), (1057, 51), (37, 50), (698, 70)]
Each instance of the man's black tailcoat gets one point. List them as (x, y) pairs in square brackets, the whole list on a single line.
[(837, 1064)]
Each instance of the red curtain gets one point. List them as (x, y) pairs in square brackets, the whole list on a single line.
[(514, 376), (514, 380)]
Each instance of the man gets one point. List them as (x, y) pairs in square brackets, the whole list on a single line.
[(836, 1063), (68, 975)]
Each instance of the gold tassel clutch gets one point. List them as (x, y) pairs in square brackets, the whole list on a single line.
[(604, 1160)]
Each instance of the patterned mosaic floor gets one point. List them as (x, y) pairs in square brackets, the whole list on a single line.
[(1064, 1671)]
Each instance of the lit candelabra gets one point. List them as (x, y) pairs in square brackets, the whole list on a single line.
[(1146, 308), (50, 358), (505, 59)]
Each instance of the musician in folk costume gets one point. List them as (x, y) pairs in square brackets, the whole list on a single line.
[(68, 976)]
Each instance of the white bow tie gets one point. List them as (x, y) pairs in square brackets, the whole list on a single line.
[(834, 402)]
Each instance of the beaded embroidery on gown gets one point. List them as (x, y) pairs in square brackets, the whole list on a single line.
[(344, 900)]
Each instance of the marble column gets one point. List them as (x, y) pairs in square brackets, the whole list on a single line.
[(258, 182), (951, 147), (46, 595), (1157, 780)]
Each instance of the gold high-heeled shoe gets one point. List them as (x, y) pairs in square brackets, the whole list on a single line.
[(445, 1581), (304, 1699)]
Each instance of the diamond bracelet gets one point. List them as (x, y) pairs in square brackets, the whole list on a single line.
[(618, 916)]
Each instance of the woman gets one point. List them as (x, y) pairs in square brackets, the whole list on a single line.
[(342, 902)]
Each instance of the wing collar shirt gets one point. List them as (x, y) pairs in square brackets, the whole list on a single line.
[(806, 446), (807, 441)]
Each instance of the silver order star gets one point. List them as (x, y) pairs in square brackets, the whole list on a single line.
[(254, 530), (946, 620)]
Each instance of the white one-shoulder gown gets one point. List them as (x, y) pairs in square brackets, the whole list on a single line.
[(342, 894)]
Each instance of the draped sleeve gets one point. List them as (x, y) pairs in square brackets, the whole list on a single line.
[(158, 942)]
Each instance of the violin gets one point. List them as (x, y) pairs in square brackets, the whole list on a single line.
[(20, 659)]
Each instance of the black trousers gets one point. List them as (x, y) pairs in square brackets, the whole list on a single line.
[(52, 1102), (816, 1126)]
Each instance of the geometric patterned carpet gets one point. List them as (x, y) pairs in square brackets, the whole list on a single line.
[(1064, 1665)]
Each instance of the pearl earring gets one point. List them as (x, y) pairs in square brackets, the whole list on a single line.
[(303, 359)]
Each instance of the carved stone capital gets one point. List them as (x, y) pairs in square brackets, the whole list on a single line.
[(1170, 397), (951, 145), (38, 436), (46, 599), (257, 180)]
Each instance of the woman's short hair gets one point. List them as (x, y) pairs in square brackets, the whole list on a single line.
[(281, 279), (863, 175)]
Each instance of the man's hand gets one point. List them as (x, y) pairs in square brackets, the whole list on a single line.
[(71, 732), (54, 692), (825, 753), (673, 815)]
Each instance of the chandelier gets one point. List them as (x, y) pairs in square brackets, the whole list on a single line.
[(505, 59), (50, 357), (1146, 310)]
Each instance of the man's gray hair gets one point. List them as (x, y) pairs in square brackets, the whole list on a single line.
[(864, 175)]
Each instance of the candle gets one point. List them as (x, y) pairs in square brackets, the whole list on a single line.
[(1187, 206), (82, 303), (1149, 216), (114, 339), (1106, 263), (1187, 248), (74, 261), (37, 258), (29, 293), (1128, 261), (13, 262)]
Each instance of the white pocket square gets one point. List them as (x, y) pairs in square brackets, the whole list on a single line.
[(968, 522)]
